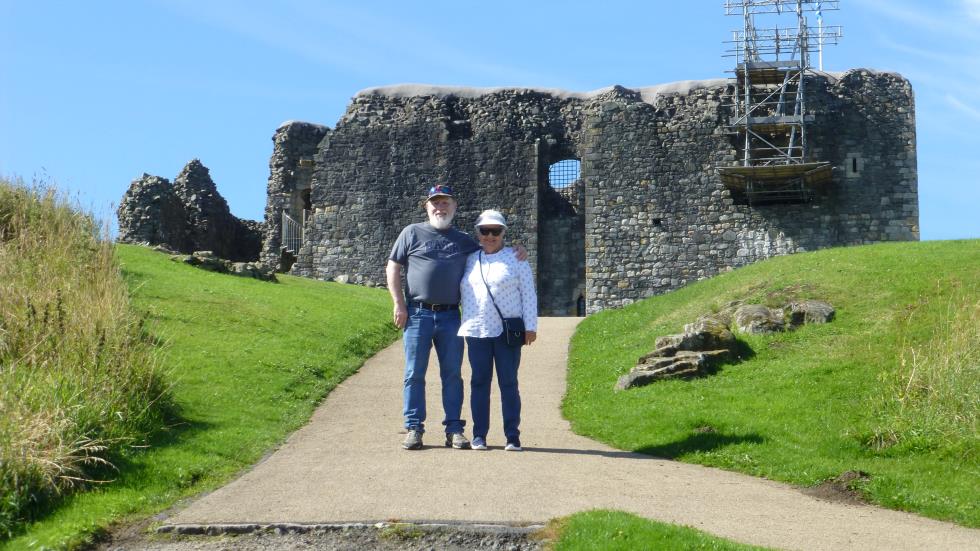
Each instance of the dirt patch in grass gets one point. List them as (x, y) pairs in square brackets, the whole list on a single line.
[(845, 488)]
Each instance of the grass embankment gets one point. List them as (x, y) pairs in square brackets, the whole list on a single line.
[(890, 388), (78, 382), (248, 361)]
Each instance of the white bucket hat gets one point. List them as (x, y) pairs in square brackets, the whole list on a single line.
[(491, 218)]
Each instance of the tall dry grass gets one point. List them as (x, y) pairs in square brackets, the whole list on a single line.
[(77, 379), (934, 393)]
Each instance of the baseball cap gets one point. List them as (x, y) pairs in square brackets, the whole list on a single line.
[(440, 189)]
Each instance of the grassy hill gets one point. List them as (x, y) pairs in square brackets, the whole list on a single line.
[(890, 388), (247, 362)]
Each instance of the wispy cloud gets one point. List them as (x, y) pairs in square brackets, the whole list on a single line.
[(944, 69), (941, 18), (357, 40), (958, 65), (972, 8), (962, 107), (933, 55)]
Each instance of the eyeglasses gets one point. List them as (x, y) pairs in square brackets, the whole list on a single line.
[(491, 231)]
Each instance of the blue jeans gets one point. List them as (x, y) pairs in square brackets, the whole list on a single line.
[(423, 329), (484, 354)]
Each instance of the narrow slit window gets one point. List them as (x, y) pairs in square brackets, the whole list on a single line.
[(853, 165)]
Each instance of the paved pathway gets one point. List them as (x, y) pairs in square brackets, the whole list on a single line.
[(346, 465)]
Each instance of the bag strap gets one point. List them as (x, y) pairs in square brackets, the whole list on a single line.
[(492, 301)]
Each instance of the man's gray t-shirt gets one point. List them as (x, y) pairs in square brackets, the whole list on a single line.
[(435, 261)]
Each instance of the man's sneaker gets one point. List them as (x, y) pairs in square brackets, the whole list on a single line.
[(514, 446), (413, 441), (457, 441), (479, 443)]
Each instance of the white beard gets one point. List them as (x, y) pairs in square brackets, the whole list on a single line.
[(441, 222)]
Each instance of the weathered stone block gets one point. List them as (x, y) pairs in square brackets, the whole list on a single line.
[(810, 311)]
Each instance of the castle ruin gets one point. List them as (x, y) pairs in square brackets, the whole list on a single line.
[(652, 207), (618, 194), (186, 216)]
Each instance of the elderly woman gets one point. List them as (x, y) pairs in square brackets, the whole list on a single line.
[(495, 285)]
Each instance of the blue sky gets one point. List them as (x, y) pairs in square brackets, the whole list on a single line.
[(93, 94)]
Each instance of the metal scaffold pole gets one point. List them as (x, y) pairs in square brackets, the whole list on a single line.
[(768, 99)]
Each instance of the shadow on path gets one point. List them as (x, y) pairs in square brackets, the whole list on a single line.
[(600, 453)]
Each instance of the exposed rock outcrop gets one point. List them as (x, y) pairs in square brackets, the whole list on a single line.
[(206, 260), (709, 341), (702, 346), (810, 311), (756, 318)]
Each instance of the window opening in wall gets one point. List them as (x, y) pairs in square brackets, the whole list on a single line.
[(853, 165), (564, 173)]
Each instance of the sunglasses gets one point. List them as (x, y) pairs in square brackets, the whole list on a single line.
[(491, 231)]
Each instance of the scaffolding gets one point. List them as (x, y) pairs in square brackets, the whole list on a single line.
[(768, 100)]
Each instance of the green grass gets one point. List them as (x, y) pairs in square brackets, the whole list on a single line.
[(613, 530), (248, 361), (811, 404)]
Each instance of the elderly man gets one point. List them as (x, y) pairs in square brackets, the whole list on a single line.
[(433, 255)]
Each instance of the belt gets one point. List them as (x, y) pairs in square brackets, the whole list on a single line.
[(436, 307)]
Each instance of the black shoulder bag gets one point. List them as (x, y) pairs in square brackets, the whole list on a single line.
[(513, 327)]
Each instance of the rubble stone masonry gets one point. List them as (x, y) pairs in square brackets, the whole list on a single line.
[(649, 212)]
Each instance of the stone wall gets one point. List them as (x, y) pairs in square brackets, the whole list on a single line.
[(370, 178), (150, 212), (189, 215), (650, 212), (290, 173)]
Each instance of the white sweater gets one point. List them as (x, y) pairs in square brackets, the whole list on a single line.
[(512, 285)]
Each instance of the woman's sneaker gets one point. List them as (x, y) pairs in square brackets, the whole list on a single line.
[(514, 446), (479, 443)]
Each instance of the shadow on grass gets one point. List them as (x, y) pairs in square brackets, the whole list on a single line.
[(699, 442), (127, 467), (176, 431), (740, 352), (696, 442)]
